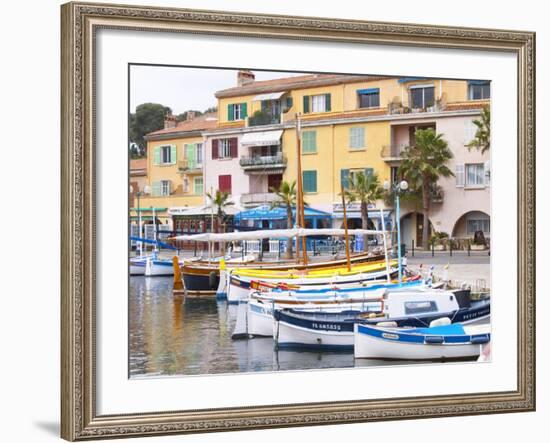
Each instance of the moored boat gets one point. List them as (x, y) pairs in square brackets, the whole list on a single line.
[(452, 341)]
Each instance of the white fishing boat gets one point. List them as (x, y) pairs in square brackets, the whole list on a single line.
[(295, 328), (451, 341)]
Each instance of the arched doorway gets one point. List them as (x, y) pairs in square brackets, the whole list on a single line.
[(470, 222), (411, 229)]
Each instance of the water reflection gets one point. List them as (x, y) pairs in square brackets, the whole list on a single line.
[(175, 336)]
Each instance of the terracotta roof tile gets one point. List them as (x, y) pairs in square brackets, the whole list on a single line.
[(206, 121), (463, 106), (297, 82)]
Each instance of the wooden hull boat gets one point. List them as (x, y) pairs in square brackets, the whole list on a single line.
[(453, 341), (205, 278)]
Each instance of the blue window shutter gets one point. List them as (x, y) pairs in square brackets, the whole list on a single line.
[(327, 103), (369, 171), (306, 104), (309, 181), (344, 176), (289, 102), (230, 113), (244, 113)]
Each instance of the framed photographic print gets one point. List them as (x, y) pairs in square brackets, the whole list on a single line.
[(283, 221)]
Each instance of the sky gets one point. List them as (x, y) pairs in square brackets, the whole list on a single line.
[(184, 88)]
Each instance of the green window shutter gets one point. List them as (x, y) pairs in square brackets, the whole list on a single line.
[(327, 102), (173, 154), (309, 181), (309, 141), (156, 156), (306, 104), (344, 176), (199, 186), (288, 103), (357, 137), (230, 113), (244, 112), (191, 156), (369, 171), (156, 189)]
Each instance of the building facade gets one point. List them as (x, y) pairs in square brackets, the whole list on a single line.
[(349, 124)]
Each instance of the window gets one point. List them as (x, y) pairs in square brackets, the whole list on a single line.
[(224, 148), (357, 137), (164, 155), (475, 174), (165, 187), (478, 90), (420, 307), (236, 111), (198, 185), (224, 183), (199, 154), (309, 142), (309, 181), (422, 96), (479, 224), (348, 175), (185, 184), (317, 103), (369, 98)]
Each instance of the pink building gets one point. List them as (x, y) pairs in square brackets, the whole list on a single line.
[(461, 204)]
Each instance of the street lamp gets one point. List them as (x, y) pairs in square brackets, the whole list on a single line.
[(397, 188)]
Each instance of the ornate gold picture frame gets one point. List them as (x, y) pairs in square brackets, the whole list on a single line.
[(80, 22)]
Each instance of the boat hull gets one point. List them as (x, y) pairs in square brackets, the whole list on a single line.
[(390, 344)]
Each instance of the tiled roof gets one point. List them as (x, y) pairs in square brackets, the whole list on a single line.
[(206, 121), (464, 106), (138, 165), (297, 82)]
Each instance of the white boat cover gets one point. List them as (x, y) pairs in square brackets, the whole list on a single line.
[(263, 138), (272, 233)]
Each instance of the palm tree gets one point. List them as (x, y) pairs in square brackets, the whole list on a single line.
[(424, 163), (366, 189), (286, 197), (482, 138), (221, 200)]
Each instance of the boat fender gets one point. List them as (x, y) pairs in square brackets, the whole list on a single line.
[(443, 321), (387, 324), (212, 280)]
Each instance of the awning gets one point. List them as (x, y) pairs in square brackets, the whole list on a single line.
[(265, 138), (368, 91), (271, 96), (265, 212)]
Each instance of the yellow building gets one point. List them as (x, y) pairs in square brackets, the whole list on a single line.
[(349, 123), (175, 165)]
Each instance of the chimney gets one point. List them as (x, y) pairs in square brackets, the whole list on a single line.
[(190, 115), (170, 121), (244, 78)]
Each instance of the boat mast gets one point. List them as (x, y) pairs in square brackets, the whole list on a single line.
[(385, 245), (348, 259), (300, 218)]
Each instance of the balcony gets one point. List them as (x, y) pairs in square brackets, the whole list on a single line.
[(392, 153), (258, 198), (264, 118), (189, 167), (270, 164)]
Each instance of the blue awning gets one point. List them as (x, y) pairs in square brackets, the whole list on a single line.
[(368, 91), (478, 82), (264, 212)]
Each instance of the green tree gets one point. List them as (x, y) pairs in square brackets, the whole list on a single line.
[(482, 137), (220, 200), (148, 117), (366, 189), (424, 163), (286, 198), (183, 116)]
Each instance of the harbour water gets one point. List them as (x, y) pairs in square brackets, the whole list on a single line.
[(191, 336)]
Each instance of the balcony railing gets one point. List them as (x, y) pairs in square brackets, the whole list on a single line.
[(261, 161), (392, 152), (258, 198), (262, 119), (187, 166)]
